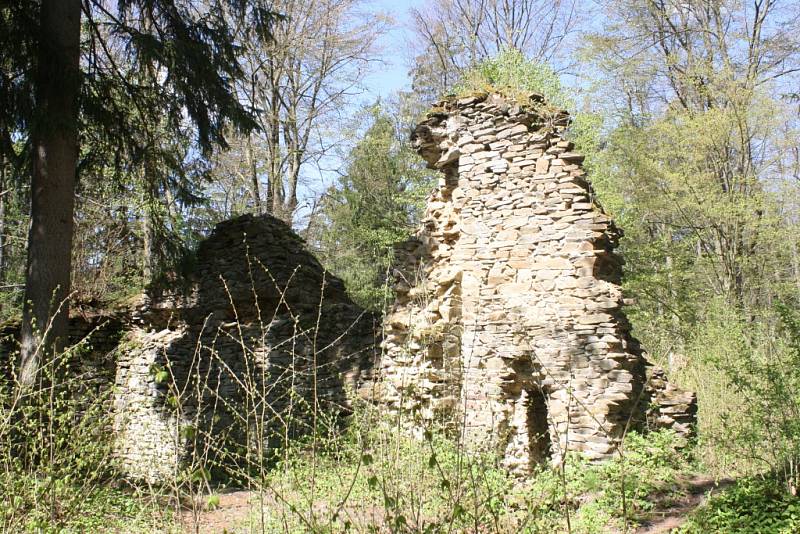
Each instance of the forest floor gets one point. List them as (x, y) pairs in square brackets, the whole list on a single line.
[(236, 511), (671, 514)]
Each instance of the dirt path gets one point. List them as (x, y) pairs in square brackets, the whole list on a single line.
[(231, 516), (666, 519), (235, 513)]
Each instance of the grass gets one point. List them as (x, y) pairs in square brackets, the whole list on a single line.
[(370, 477), (374, 479), (103, 509), (59, 469)]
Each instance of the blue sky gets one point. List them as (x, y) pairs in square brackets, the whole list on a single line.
[(386, 77), (393, 74)]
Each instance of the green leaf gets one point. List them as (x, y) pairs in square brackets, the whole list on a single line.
[(161, 377), (201, 474), (432, 461)]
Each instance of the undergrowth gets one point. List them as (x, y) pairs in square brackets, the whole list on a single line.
[(57, 471), (59, 476), (376, 479), (753, 505)]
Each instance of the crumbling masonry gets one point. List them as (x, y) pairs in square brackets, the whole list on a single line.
[(261, 346), (258, 345), (508, 324), (508, 320)]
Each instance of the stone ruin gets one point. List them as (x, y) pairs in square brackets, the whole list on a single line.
[(508, 325), (508, 322), (94, 335), (258, 346), (262, 345)]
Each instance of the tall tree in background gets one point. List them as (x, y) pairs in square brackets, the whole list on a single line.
[(377, 202), (698, 170), (296, 85), (191, 58), (455, 35), (697, 93)]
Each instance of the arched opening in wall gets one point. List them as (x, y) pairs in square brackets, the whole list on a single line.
[(538, 427)]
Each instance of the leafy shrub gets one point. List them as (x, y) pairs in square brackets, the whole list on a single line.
[(752, 506), (598, 496), (514, 74), (747, 375)]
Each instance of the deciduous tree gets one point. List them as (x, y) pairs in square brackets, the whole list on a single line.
[(452, 36), (297, 85)]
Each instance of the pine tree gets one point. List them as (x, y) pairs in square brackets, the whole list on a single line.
[(143, 60)]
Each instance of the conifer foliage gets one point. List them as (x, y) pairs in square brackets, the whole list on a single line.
[(120, 72)]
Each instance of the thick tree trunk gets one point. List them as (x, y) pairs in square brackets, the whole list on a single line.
[(55, 152)]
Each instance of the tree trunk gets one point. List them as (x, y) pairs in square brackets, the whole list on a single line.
[(54, 139), (4, 192), (148, 267), (275, 193), (152, 236), (251, 164)]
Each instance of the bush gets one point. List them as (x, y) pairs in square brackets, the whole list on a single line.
[(752, 506), (515, 75), (58, 472), (750, 415)]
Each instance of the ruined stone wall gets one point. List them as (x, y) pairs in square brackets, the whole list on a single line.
[(508, 320), (259, 345), (263, 345)]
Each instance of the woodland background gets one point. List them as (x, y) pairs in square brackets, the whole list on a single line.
[(191, 112)]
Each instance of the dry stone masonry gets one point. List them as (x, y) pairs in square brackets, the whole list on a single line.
[(508, 320), (90, 363), (508, 323), (258, 346), (262, 346)]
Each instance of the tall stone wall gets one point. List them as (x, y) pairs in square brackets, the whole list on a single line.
[(262, 346), (508, 320)]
